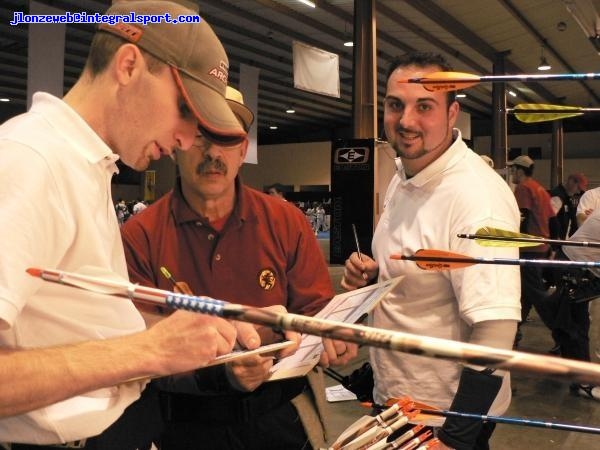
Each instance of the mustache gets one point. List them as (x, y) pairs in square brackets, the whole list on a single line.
[(211, 165), (401, 129)]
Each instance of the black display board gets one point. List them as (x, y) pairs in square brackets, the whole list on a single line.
[(352, 194)]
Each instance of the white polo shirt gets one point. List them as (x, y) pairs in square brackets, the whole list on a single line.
[(457, 193), (588, 231), (57, 212), (589, 200)]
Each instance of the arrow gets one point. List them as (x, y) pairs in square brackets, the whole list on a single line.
[(540, 112), (496, 237), (572, 370), (453, 81), (442, 260), (426, 409)]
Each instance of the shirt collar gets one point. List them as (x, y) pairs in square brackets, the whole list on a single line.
[(183, 213), (446, 160), (71, 126)]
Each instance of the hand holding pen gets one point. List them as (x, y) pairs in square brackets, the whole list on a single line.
[(260, 335), (178, 286), (359, 268)]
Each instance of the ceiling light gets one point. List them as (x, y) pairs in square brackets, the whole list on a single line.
[(290, 110), (461, 95), (308, 3), (543, 63), (273, 127), (348, 44), (513, 93), (4, 99)]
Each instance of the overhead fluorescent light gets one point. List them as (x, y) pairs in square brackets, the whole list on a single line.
[(290, 110), (308, 3), (4, 99), (273, 127), (461, 95), (348, 44), (513, 93)]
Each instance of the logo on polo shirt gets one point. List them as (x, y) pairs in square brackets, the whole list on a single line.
[(266, 279)]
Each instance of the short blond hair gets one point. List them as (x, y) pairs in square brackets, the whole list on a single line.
[(103, 48)]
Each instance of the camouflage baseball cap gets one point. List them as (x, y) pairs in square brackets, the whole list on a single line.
[(194, 53)]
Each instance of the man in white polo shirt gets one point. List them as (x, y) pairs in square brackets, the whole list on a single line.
[(441, 188), (71, 361)]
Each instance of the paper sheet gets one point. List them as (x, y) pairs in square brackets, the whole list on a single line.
[(348, 307), (339, 393)]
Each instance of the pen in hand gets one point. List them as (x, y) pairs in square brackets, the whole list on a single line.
[(178, 286), (168, 275), (356, 242)]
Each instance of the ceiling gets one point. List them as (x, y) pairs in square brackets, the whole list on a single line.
[(260, 33)]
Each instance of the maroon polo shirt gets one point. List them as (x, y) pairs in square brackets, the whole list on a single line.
[(266, 254)]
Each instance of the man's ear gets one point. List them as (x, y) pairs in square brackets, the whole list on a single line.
[(453, 110), (127, 63), (244, 150)]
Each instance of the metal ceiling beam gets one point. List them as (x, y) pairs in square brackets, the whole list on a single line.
[(509, 5), (434, 12)]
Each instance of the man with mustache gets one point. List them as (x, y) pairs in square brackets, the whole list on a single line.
[(235, 243), (441, 188)]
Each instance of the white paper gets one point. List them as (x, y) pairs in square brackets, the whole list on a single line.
[(348, 307), (339, 393)]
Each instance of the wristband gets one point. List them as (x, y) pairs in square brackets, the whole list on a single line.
[(476, 393)]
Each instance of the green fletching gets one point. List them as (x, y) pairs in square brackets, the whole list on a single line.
[(493, 237)]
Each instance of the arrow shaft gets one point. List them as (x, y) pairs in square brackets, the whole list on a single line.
[(501, 261), (489, 237), (506, 78), (515, 421), (573, 370)]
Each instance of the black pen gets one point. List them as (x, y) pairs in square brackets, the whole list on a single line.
[(356, 241)]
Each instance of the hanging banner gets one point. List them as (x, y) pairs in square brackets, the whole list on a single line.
[(316, 70)]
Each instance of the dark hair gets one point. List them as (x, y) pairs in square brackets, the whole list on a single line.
[(422, 59), (103, 48), (277, 186)]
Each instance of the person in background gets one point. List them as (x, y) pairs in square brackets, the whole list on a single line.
[(538, 219), (74, 364), (588, 203), (571, 328), (320, 218), (122, 211), (565, 199), (276, 190), (139, 206), (226, 240), (441, 188)]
